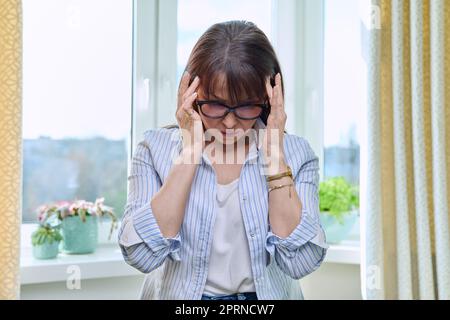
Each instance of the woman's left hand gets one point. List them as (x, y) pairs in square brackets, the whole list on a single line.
[(274, 133)]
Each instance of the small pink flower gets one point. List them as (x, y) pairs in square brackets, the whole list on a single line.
[(62, 203), (99, 201), (64, 212), (73, 208), (42, 209)]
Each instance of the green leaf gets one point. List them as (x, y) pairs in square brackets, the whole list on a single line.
[(82, 214), (40, 238), (45, 235), (337, 197)]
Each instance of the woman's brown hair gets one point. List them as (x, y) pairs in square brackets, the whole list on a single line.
[(242, 53)]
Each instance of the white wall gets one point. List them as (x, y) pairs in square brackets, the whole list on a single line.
[(333, 281), (124, 288)]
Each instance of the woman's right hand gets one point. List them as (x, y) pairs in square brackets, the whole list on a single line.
[(188, 119)]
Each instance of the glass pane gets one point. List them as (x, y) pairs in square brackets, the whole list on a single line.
[(345, 93), (345, 89), (76, 101), (196, 16)]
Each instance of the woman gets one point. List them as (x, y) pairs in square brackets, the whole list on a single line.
[(228, 212)]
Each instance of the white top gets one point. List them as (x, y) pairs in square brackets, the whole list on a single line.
[(229, 269)]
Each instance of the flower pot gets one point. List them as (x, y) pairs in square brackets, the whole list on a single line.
[(79, 237), (46, 250), (335, 230)]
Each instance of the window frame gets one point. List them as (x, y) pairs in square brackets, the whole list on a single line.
[(154, 66), (154, 73), (302, 23)]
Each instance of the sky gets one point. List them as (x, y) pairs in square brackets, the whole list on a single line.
[(76, 70), (345, 73)]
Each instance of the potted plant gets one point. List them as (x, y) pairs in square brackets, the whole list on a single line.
[(46, 238), (339, 208), (79, 223)]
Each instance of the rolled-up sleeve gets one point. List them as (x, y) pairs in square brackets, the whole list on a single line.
[(305, 248), (142, 244)]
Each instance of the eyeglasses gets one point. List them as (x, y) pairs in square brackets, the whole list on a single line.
[(216, 110)]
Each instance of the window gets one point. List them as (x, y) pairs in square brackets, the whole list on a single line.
[(196, 16), (76, 101), (345, 93), (344, 89)]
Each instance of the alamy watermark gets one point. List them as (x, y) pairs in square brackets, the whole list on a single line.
[(231, 149), (370, 15), (73, 281)]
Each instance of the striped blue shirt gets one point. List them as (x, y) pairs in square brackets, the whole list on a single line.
[(178, 266)]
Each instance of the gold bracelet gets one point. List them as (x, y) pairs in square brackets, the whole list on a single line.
[(287, 173), (282, 186)]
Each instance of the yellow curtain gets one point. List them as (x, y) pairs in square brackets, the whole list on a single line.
[(406, 232), (10, 145)]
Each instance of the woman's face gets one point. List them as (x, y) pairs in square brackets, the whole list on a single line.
[(231, 128)]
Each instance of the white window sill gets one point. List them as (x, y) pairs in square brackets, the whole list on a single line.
[(347, 252), (105, 262)]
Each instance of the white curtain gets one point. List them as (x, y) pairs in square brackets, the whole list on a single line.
[(406, 229)]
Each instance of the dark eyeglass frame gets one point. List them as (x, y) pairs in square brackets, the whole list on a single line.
[(263, 106)]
